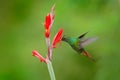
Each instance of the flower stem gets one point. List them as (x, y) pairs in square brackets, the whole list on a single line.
[(51, 71)]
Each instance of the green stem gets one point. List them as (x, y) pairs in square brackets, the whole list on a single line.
[(51, 71)]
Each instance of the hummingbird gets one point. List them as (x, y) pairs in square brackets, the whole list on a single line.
[(78, 44)]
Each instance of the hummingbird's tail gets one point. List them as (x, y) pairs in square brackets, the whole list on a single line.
[(87, 55)]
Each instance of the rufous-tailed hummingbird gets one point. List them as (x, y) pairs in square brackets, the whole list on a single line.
[(78, 44)]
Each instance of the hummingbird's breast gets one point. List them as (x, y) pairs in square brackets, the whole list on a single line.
[(75, 44)]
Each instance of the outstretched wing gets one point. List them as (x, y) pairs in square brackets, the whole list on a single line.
[(81, 36), (88, 41)]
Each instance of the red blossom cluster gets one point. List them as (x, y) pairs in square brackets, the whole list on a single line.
[(48, 24), (49, 21)]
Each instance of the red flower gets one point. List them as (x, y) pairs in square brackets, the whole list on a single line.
[(36, 54), (49, 21), (57, 38), (47, 33)]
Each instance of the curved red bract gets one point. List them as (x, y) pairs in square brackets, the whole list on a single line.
[(47, 21), (57, 38), (36, 54)]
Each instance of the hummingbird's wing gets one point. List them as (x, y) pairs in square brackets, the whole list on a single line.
[(81, 36), (88, 41)]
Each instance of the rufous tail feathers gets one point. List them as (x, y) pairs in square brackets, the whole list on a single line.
[(87, 55)]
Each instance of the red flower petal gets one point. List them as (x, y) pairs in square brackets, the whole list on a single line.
[(57, 38), (36, 54), (47, 22), (47, 33)]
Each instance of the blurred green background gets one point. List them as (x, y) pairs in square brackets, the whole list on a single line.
[(21, 31)]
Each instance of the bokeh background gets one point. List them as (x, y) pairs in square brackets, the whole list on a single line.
[(21, 31)]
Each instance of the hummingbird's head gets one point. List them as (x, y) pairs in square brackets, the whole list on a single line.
[(65, 38)]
